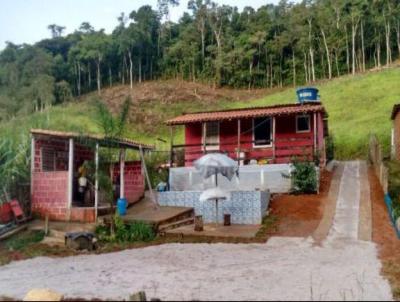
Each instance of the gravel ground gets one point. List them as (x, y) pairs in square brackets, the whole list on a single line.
[(343, 268)]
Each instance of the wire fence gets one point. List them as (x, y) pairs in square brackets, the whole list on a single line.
[(382, 172)]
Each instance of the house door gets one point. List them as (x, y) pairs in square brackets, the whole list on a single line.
[(211, 136)]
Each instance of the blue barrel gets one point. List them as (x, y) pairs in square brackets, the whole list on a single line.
[(307, 94), (121, 206)]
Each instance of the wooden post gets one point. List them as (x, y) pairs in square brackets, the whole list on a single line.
[(96, 185), (315, 134), (171, 156), (227, 219), (32, 162), (70, 177), (198, 223), (122, 173), (152, 196), (204, 137), (239, 130), (46, 225), (274, 138)]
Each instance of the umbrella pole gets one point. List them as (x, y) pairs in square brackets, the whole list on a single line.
[(216, 220)]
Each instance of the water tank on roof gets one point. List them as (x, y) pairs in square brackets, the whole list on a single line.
[(307, 94)]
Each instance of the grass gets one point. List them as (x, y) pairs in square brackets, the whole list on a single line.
[(23, 240), (357, 106)]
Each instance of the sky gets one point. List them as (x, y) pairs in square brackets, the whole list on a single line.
[(26, 21)]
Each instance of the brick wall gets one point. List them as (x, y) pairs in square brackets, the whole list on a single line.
[(49, 194), (134, 181)]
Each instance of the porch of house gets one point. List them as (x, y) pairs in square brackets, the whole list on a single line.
[(59, 159)]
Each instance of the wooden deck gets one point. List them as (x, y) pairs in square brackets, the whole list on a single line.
[(146, 211)]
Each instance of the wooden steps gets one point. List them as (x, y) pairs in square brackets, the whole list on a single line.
[(176, 224)]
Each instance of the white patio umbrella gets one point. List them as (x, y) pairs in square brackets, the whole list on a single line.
[(214, 164)]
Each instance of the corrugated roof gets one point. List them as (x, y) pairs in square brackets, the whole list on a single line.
[(101, 139), (246, 113), (395, 110)]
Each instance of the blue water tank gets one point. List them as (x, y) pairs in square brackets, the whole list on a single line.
[(307, 94), (121, 206)]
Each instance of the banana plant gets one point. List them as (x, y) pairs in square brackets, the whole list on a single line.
[(14, 167)]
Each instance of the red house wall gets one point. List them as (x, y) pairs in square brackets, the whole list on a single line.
[(288, 143), (193, 136)]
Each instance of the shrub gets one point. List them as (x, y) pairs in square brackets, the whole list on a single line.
[(126, 232), (304, 177)]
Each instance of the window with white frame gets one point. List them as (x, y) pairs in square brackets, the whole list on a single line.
[(262, 132), (303, 123), (211, 135)]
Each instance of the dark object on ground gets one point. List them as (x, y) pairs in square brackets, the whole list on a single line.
[(227, 219), (198, 223), (80, 241), (139, 296)]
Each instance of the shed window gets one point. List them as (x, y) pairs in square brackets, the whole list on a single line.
[(48, 159), (303, 123), (211, 135), (262, 131)]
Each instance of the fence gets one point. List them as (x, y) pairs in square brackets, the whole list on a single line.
[(389, 204), (251, 177), (376, 159), (382, 172)]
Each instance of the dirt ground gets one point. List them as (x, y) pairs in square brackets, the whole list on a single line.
[(300, 215), (383, 234), (172, 91)]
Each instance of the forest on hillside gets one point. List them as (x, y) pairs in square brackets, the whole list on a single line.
[(275, 45)]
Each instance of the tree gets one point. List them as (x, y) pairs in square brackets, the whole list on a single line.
[(94, 48), (56, 30)]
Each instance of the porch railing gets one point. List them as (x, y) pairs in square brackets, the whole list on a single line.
[(280, 150)]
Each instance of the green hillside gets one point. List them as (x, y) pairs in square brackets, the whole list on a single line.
[(356, 105)]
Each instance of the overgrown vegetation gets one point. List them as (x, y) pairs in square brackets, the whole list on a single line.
[(14, 168), (125, 232)]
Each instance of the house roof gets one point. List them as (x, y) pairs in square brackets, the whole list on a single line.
[(251, 112), (395, 110), (97, 138)]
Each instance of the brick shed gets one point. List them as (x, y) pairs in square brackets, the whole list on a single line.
[(56, 160)]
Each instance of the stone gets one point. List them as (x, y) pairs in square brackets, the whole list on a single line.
[(139, 296), (43, 295)]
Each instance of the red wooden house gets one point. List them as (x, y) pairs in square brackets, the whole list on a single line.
[(56, 160), (273, 134)]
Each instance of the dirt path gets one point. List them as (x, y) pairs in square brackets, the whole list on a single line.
[(342, 268)]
